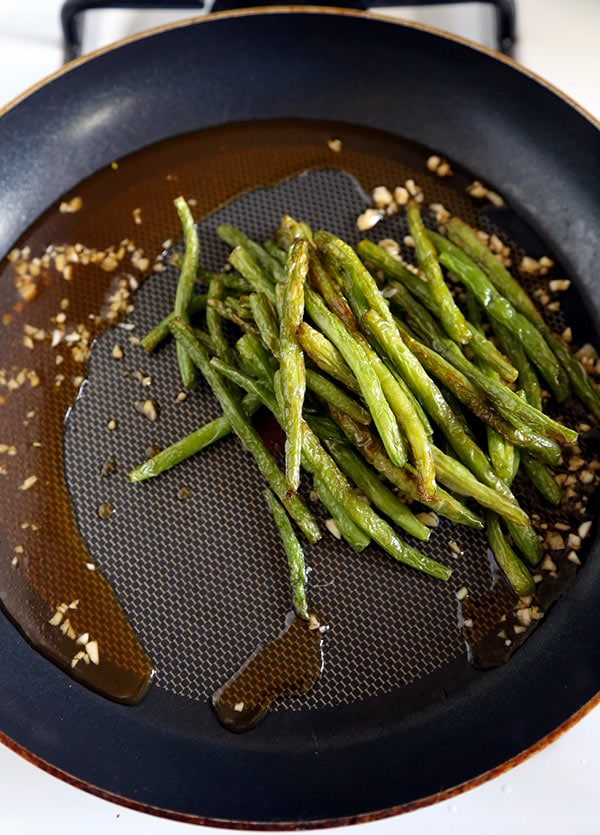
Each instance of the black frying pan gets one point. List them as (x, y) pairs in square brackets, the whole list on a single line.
[(474, 107)]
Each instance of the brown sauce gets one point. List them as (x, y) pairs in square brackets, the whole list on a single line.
[(289, 665)]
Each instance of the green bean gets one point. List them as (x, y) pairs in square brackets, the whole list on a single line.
[(290, 229), (454, 321), (223, 349), (583, 385), (241, 305), (398, 274), (501, 310), (473, 397), (456, 407), (517, 574), (185, 284), (404, 479), (237, 306), (325, 285), (356, 538), (524, 538), (516, 464), (408, 418), (291, 359), (261, 388), (191, 444), (513, 408), (231, 280), (316, 461), (527, 541), (250, 269), (501, 453), (234, 237), (501, 450), (369, 383), (420, 411), (203, 276), (306, 230), (542, 479), (224, 311), (360, 288), (294, 553), (266, 321), (275, 251), (406, 409), (158, 334), (279, 294), (505, 459), (390, 341), (326, 356), (204, 339), (247, 434), (457, 478), (465, 238), (357, 471), (357, 282), (253, 352), (527, 377), (331, 393)]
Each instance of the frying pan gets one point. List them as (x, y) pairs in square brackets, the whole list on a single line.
[(307, 768)]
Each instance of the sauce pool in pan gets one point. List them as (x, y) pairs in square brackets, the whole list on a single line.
[(67, 542)]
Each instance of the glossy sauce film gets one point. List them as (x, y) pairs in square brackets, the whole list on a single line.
[(108, 237)]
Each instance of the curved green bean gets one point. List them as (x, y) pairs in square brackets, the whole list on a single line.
[(245, 431), (451, 316), (398, 275), (291, 359), (191, 444), (404, 479), (516, 572), (160, 332), (501, 310), (331, 393), (356, 538), (186, 284), (294, 553), (369, 383)]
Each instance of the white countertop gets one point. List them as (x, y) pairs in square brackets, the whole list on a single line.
[(556, 790)]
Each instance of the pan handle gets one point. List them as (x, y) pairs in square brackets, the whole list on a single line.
[(73, 10)]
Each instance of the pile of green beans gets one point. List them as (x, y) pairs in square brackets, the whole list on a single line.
[(366, 381)]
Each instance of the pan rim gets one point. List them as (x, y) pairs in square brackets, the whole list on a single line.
[(567, 724), (288, 826), (303, 9)]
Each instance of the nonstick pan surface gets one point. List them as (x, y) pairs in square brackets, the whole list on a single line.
[(306, 766)]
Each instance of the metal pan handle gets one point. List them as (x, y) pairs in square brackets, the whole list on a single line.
[(73, 10)]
